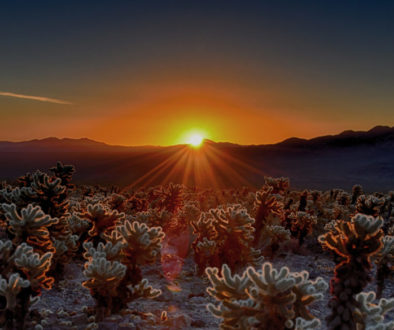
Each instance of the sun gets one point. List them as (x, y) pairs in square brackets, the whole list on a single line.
[(195, 140)]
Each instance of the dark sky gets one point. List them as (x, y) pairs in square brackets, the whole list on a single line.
[(242, 71)]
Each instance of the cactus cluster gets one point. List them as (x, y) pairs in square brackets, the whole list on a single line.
[(113, 269), (225, 236), (265, 299), (118, 238)]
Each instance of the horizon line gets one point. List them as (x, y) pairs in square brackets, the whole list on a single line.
[(178, 144)]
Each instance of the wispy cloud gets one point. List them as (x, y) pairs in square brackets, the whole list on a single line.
[(34, 98)]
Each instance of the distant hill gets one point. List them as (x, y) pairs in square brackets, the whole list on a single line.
[(320, 163)]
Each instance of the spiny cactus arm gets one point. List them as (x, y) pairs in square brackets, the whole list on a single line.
[(142, 243), (101, 218), (333, 241), (307, 292), (190, 212), (103, 276), (227, 287), (109, 251), (270, 279), (18, 195), (64, 172), (5, 250), (34, 266), (204, 227), (240, 314), (366, 225), (302, 324), (239, 222), (32, 219), (255, 257), (388, 246), (370, 315), (144, 290), (206, 247), (77, 224), (44, 183), (11, 288)]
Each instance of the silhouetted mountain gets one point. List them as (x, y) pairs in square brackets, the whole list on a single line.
[(376, 135), (322, 162)]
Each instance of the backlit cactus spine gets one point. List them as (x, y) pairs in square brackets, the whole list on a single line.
[(355, 241), (265, 299)]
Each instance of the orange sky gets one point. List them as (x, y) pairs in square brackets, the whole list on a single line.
[(148, 73), (165, 112)]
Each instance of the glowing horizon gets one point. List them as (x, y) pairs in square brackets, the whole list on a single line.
[(219, 69)]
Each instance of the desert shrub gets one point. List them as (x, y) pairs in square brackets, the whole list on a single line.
[(265, 299), (224, 236), (354, 242)]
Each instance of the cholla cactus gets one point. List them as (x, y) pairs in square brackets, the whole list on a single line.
[(11, 288), (385, 263), (20, 196), (265, 299), (355, 242), (369, 205), (14, 310), (18, 292), (357, 190), (113, 268), (371, 316), (34, 266), (104, 276), (64, 173), (142, 243), (77, 225), (30, 226), (102, 221), (279, 185), (233, 233), (189, 213), (143, 289), (50, 194), (272, 238), (170, 198), (266, 207), (117, 202), (300, 224), (154, 217), (108, 250)]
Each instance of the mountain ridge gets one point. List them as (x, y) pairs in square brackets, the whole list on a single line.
[(342, 160), (347, 137)]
